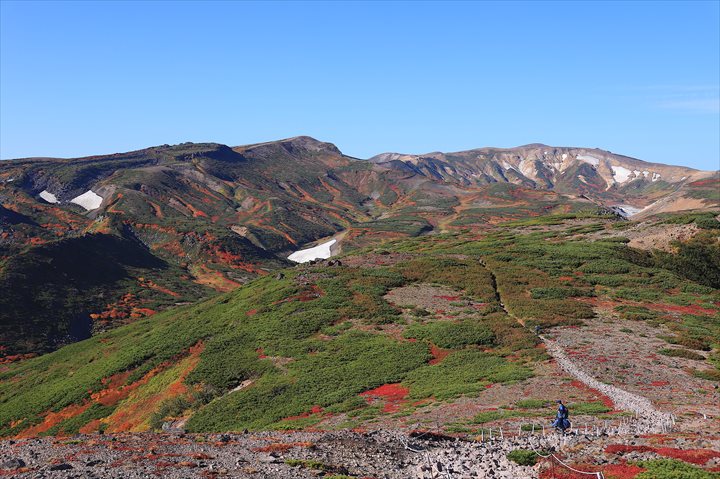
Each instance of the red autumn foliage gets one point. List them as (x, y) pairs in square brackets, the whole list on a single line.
[(438, 354), (693, 456), (605, 400), (313, 410), (281, 447), (393, 395), (659, 383), (622, 471), (674, 308)]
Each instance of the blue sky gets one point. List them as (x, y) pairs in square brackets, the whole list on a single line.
[(641, 79)]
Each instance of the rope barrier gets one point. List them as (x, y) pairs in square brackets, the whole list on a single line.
[(598, 475)]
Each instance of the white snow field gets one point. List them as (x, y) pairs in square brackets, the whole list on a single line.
[(621, 173), (321, 251), (49, 197), (589, 159), (88, 200), (627, 211)]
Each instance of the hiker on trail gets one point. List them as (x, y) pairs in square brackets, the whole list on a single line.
[(561, 421)]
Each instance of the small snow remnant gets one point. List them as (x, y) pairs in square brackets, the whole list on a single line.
[(88, 200), (621, 173), (321, 251), (655, 176), (507, 165), (49, 197), (626, 210), (589, 159), (582, 178), (645, 173)]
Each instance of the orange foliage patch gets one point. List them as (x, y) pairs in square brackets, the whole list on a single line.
[(53, 419), (214, 279), (16, 357), (146, 283), (130, 417)]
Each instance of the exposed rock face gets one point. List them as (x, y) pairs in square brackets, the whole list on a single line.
[(599, 174)]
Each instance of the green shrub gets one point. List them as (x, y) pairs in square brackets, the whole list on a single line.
[(463, 372), (606, 266), (523, 457), (589, 408), (636, 313), (531, 403), (682, 353), (559, 293), (451, 335), (707, 374), (673, 469)]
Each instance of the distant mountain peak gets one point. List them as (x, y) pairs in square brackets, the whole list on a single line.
[(295, 143)]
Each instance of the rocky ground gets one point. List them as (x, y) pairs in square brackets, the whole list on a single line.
[(379, 454)]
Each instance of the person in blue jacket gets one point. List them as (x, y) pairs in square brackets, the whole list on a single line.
[(561, 421)]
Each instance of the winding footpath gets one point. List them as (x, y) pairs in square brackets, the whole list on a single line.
[(649, 419)]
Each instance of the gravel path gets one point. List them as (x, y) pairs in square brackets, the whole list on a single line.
[(649, 420)]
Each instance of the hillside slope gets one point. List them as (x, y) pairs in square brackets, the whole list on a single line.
[(208, 218), (427, 328)]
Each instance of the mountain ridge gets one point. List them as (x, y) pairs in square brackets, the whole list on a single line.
[(219, 216)]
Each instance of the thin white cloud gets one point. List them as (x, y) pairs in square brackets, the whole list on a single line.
[(698, 105), (686, 98)]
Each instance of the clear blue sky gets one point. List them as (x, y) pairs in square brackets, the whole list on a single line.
[(642, 79)]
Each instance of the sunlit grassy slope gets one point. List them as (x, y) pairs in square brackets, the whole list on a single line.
[(281, 353)]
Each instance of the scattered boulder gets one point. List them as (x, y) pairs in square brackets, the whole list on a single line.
[(63, 466), (13, 463)]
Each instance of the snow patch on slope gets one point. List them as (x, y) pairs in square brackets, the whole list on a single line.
[(621, 173), (88, 200), (627, 211), (321, 251), (589, 159), (49, 197)]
